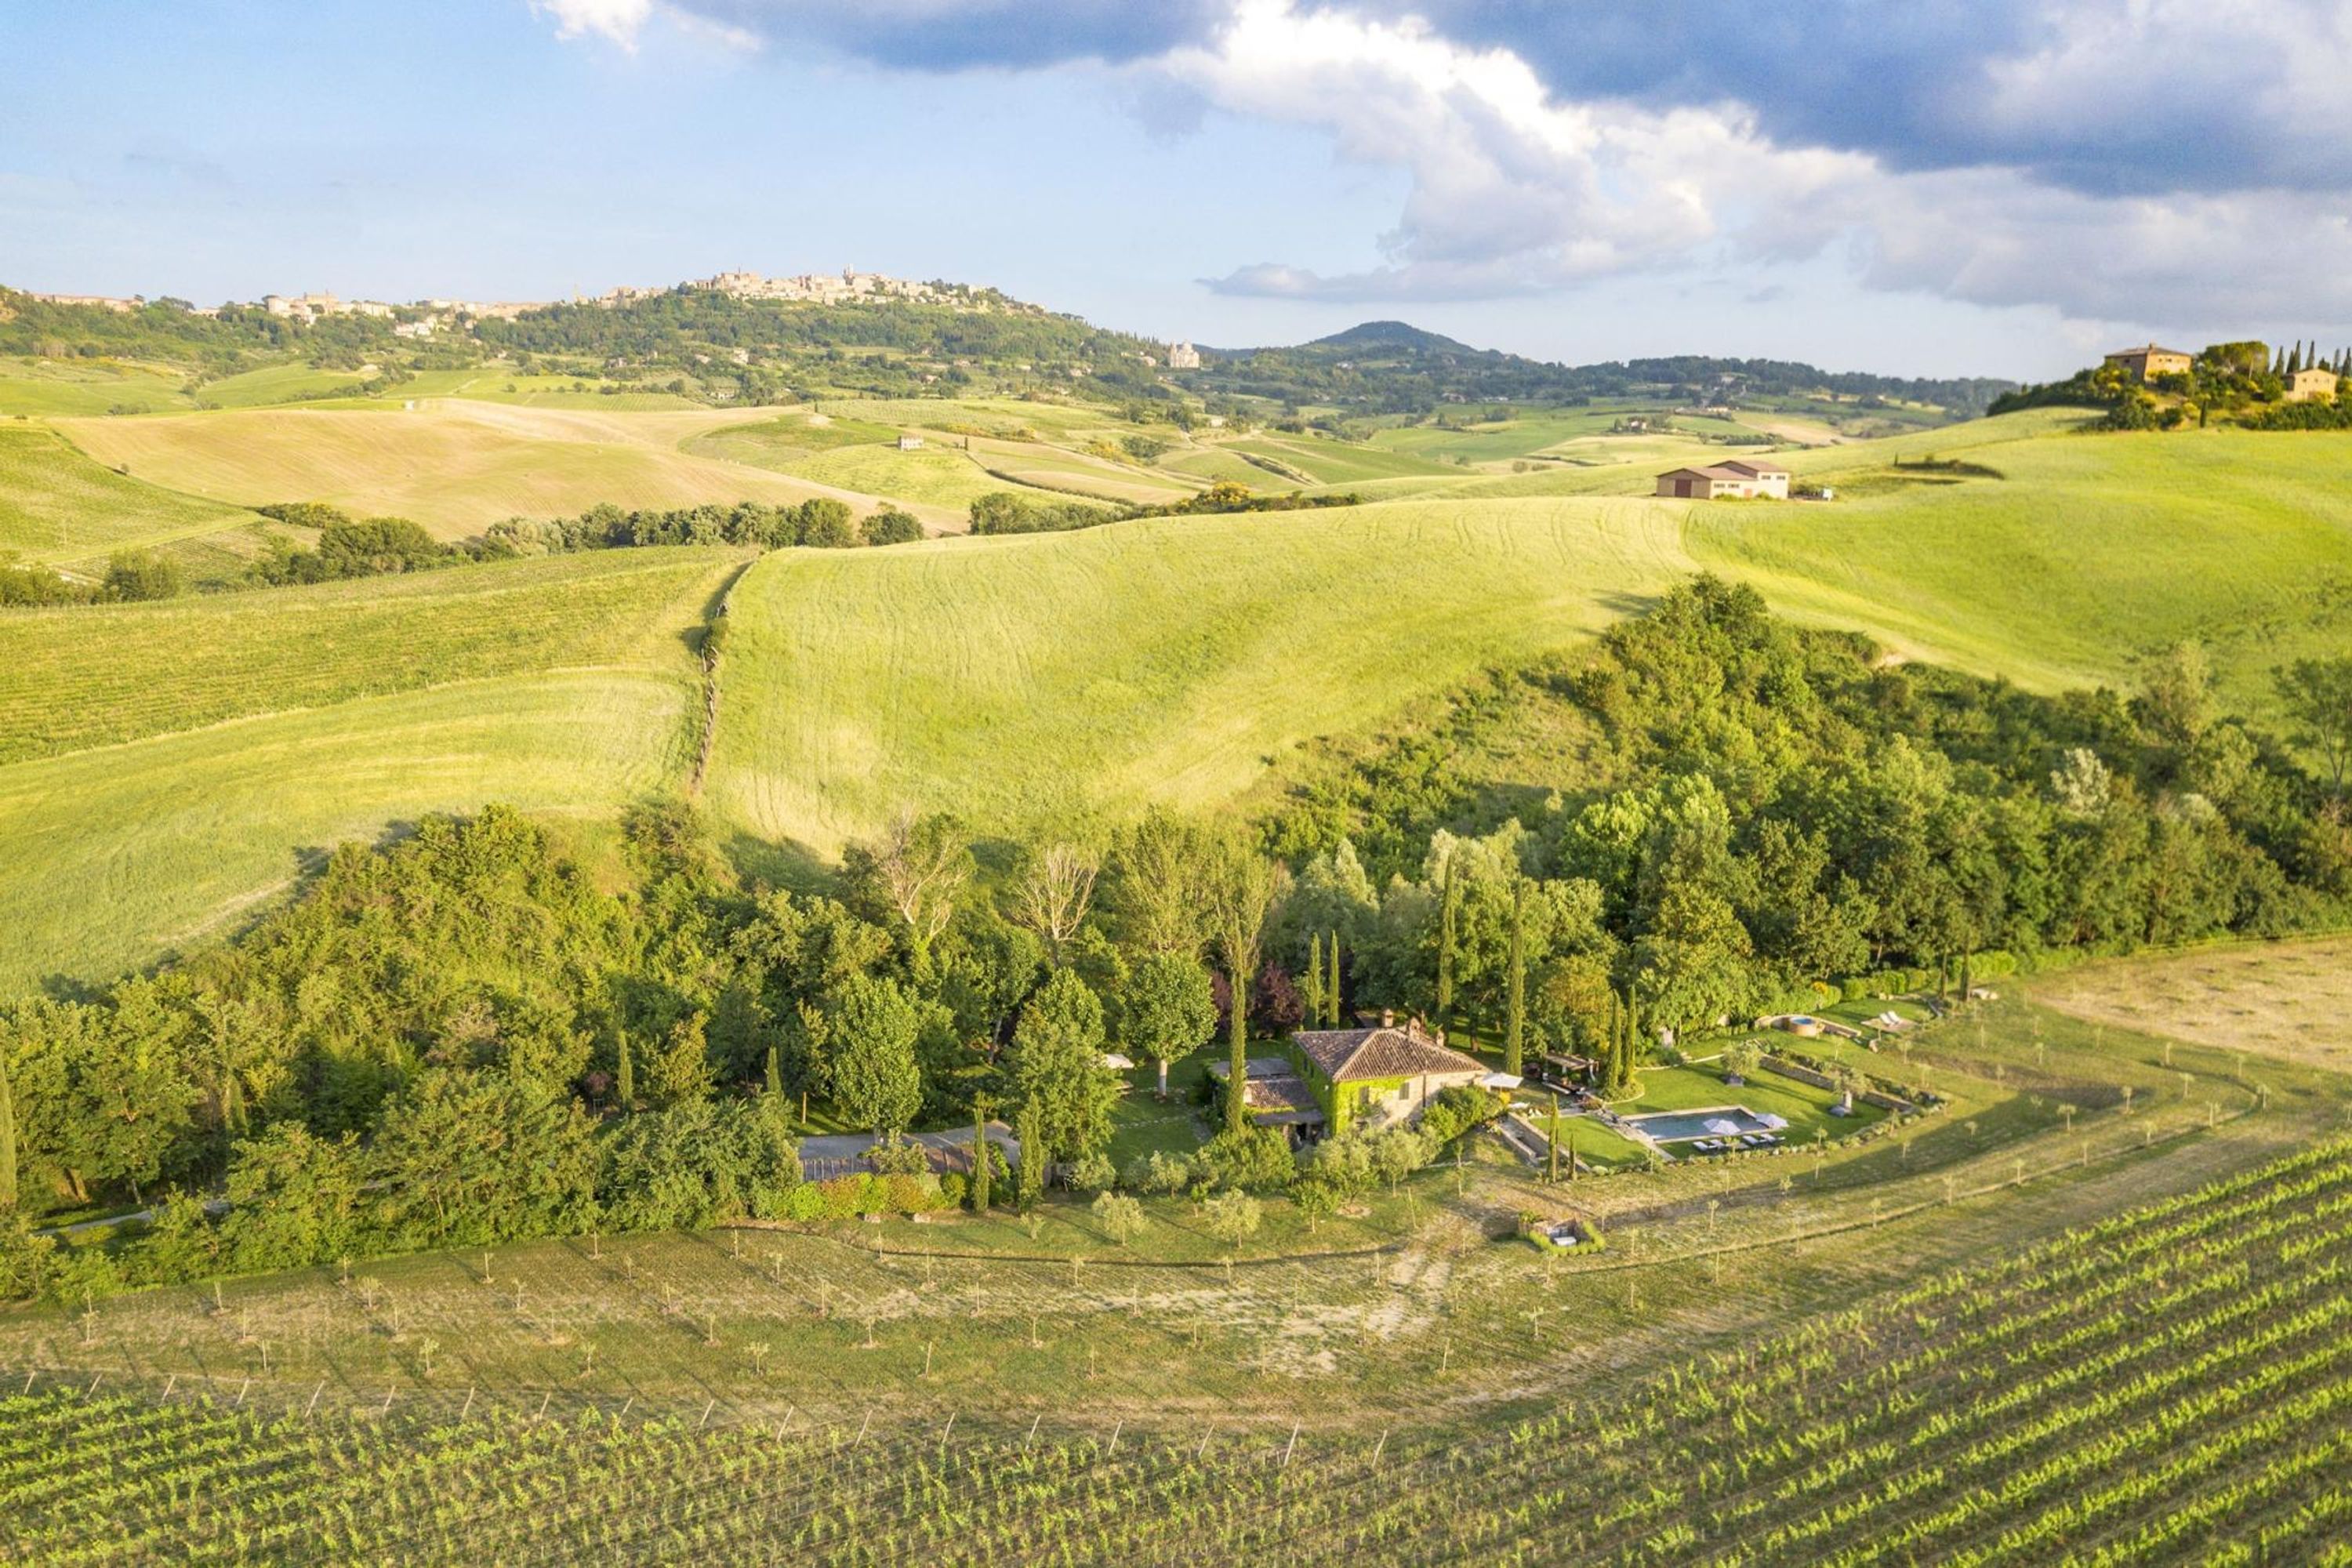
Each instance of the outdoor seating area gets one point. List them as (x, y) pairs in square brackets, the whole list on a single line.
[(1746, 1141)]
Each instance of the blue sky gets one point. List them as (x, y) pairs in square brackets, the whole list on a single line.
[(1928, 188)]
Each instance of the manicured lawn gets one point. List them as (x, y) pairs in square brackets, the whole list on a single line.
[(1806, 1108), (1141, 1124), (1592, 1143)]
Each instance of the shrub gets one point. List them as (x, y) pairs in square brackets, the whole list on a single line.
[(1453, 1111), (1120, 1216), (954, 1187), (1158, 1174), (897, 1159), (1252, 1157), (1092, 1174)]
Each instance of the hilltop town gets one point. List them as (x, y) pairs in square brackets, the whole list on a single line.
[(423, 317)]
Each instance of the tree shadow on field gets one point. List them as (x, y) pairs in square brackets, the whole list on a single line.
[(308, 861), (789, 864)]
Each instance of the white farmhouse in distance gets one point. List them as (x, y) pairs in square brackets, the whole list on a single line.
[(1183, 356), (1727, 481)]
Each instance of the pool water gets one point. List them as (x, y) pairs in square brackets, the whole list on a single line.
[(1680, 1126)]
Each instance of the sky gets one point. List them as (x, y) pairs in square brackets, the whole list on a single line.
[(1934, 187)]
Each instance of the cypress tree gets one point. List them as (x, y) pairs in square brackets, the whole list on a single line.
[(625, 1080), (1515, 1016), (2295, 360), (232, 1095), (1315, 981), (1339, 1009), (1554, 1140), (1237, 981), (775, 1071), (1029, 1176), (979, 1156), (7, 1139), (1446, 908)]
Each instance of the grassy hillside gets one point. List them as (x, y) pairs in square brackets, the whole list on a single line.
[(111, 858), (1170, 658), (2085, 555), (76, 677), (565, 685), (455, 465), (62, 387), (60, 509), (1185, 659)]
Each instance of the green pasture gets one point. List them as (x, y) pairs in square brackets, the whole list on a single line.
[(40, 387), (1336, 463), (2089, 554), (111, 859), (1174, 659), (79, 677), (275, 384), (59, 508)]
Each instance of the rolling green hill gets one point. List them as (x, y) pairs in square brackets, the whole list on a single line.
[(454, 465), (57, 508), (1167, 659), (76, 677), (2083, 555), (168, 765), (111, 859), (1183, 659)]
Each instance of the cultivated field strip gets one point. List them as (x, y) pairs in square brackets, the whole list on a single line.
[(2161, 1387), (74, 679)]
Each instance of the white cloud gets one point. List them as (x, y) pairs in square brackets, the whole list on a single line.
[(2119, 160), (618, 20), (1516, 191), (1512, 191)]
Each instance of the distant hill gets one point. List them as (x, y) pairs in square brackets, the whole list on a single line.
[(1392, 336), (718, 348), (1396, 368)]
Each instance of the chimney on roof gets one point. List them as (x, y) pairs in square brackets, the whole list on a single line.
[(1387, 1017)]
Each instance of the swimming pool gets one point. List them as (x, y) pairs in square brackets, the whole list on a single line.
[(1681, 1126)]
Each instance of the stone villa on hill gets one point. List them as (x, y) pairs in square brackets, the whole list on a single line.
[(1183, 356), (2148, 362), (2305, 386), (1733, 480), (1332, 1080)]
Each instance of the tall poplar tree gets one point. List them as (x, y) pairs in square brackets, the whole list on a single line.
[(1515, 1022)]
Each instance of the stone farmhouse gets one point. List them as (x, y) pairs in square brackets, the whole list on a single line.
[(1332, 1080), (1183, 356), (2149, 361), (2305, 386), (1733, 480), (1376, 1077)]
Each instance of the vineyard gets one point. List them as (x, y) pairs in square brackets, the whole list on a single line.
[(2174, 1383)]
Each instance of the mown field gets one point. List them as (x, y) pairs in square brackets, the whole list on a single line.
[(172, 764), (58, 508), (2084, 555), (454, 465), (1173, 660), (2291, 1001)]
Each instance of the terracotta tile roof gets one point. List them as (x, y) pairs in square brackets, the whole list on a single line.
[(1348, 1056), (1277, 1094)]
